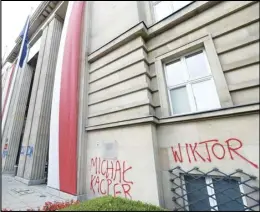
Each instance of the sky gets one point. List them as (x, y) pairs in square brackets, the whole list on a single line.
[(14, 14)]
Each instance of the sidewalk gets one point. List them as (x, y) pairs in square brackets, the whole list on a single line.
[(18, 196)]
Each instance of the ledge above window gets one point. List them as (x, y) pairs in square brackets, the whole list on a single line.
[(252, 108), (178, 16), (218, 113), (163, 9)]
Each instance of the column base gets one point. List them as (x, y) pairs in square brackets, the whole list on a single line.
[(8, 172), (30, 182), (53, 191)]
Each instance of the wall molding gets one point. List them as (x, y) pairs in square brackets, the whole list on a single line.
[(174, 19), (234, 111)]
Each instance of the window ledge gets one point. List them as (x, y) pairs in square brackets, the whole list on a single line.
[(222, 112), (141, 120), (180, 15)]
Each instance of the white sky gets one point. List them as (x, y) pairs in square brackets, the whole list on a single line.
[(14, 14)]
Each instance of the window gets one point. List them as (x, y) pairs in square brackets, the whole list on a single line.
[(164, 8), (190, 84), (213, 193)]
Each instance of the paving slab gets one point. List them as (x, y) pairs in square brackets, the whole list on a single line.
[(19, 196)]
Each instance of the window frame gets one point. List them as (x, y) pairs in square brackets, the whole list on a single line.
[(189, 82), (210, 190), (154, 3), (186, 47)]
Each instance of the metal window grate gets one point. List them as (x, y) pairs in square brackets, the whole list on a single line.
[(247, 198)]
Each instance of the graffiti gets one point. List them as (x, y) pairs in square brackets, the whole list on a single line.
[(5, 146), (5, 150), (217, 150), (23, 150), (26, 150), (29, 151), (108, 177)]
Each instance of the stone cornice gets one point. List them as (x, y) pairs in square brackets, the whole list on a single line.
[(234, 111), (147, 33)]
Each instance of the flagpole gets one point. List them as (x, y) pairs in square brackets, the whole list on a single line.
[(4, 116)]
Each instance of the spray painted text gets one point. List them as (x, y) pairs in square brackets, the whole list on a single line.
[(205, 151), (109, 177)]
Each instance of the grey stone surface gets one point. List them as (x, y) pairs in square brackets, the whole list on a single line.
[(26, 137), (19, 196), (17, 117), (112, 12), (109, 70), (32, 167)]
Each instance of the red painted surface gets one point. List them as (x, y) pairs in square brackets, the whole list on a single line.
[(217, 151), (193, 151), (234, 150), (8, 89), (68, 116), (109, 177), (175, 153)]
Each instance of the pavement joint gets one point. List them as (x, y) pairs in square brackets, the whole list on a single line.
[(19, 196)]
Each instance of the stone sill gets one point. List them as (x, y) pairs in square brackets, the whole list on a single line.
[(212, 114)]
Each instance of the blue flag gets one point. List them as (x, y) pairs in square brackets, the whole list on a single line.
[(25, 40)]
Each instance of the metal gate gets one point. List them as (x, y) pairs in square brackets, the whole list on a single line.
[(195, 190)]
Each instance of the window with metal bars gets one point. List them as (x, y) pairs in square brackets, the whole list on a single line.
[(210, 189), (214, 190)]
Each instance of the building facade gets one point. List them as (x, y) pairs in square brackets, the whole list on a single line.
[(149, 100)]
